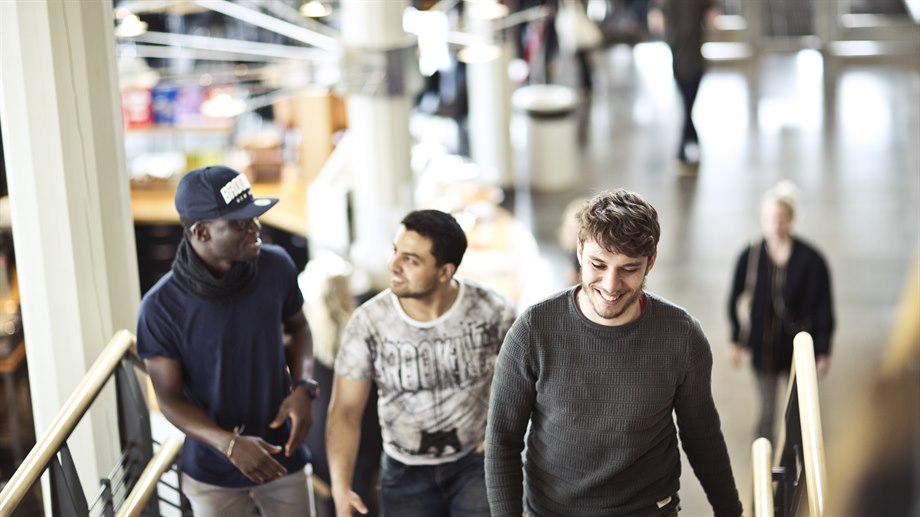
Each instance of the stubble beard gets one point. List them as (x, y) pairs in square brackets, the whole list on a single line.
[(597, 305), (404, 292)]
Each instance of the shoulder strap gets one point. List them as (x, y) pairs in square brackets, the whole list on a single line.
[(753, 258)]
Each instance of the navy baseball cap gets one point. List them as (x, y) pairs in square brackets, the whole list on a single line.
[(218, 192)]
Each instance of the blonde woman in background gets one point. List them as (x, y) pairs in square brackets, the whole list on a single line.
[(790, 291), (328, 284)]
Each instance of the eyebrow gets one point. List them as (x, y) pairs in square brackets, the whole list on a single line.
[(636, 262), (408, 253)]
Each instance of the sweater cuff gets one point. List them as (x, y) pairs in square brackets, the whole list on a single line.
[(731, 511)]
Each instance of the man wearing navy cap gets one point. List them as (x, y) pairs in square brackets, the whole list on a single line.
[(211, 333)]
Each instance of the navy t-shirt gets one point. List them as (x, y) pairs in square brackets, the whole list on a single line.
[(233, 359)]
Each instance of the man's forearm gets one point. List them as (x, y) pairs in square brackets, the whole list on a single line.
[(342, 437), (194, 422), (504, 479), (299, 350), (300, 353)]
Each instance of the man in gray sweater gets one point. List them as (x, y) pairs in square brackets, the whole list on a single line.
[(596, 371)]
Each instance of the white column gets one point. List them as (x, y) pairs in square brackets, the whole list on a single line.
[(70, 205), (489, 91), (378, 120), (753, 11), (827, 28)]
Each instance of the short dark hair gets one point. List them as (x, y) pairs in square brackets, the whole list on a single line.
[(448, 241), (620, 221)]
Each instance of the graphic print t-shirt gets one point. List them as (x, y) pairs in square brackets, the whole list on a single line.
[(433, 377)]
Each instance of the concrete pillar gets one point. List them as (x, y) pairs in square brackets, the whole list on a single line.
[(377, 72), (489, 92), (827, 28), (70, 207), (753, 15)]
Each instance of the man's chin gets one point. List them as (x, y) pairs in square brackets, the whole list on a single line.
[(611, 313)]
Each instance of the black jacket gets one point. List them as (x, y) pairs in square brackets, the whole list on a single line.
[(807, 301)]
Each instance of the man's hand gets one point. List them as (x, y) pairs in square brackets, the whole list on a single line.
[(298, 406), (346, 502), (822, 364), (736, 355), (656, 22), (252, 455)]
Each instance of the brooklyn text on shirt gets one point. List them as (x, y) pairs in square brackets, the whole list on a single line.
[(442, 362)]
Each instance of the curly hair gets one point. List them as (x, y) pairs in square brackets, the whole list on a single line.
[(620, 221), (448, 241)]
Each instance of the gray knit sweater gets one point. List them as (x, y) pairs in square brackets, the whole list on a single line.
[(599, 402)]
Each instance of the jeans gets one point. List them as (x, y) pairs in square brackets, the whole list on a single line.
[(766, 386), (688, 90), (456, 489), (284, 497)]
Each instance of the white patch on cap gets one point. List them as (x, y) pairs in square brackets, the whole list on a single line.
[(238, 185), (262, 202)]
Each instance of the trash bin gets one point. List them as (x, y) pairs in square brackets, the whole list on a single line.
[(551, 134)]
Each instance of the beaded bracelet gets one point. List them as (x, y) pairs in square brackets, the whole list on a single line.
[(237, 431)]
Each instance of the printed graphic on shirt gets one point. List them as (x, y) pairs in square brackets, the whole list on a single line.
[(433, 377), (445, 361)]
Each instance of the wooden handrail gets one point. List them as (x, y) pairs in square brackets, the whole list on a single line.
[(761, 459), (65, 421), (810, 416), (147, 483)]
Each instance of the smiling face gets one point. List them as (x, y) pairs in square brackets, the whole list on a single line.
[(611, 284), (222, 242), (414, 272)]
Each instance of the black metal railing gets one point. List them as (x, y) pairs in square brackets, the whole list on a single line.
[(52, 454)]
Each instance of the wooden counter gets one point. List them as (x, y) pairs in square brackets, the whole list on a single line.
[(156, 205)]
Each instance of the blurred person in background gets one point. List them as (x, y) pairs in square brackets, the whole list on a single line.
[(328, 283), (567, 237), (781, 286), (683, 24)]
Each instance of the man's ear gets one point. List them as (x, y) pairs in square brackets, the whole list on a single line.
[(201, 232), (447, 272), (651, 262), (578, 248)]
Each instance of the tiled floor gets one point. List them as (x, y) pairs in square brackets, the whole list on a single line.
[(857, 163)]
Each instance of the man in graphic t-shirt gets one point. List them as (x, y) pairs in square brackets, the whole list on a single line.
[(429, 342)]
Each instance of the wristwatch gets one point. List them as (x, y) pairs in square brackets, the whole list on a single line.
[(309, 385)]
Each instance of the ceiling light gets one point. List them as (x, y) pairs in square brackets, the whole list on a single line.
[(222, 105), (486, 10), (315, 9), (130, 27)]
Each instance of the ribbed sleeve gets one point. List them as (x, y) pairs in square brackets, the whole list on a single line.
[(599, 403), (700, 429), (510, 406)]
